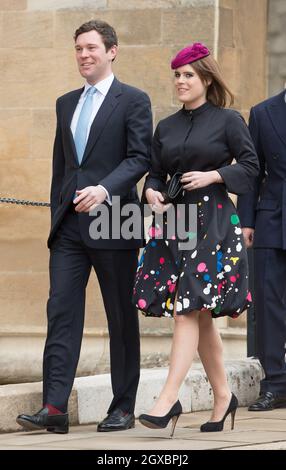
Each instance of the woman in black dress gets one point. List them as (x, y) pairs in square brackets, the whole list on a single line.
[(210, 279)]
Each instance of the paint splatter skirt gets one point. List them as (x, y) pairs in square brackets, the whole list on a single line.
[(211, 275)]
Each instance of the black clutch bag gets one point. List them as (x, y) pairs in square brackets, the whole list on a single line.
[(174, 188)]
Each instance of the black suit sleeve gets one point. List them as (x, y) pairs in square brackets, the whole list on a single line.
[(246, 203), (137, 162), (239, 178), (157, 176), (58, 165)]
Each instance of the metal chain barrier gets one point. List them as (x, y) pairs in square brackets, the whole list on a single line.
[(23, 202)]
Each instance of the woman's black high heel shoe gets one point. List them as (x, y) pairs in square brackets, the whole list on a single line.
[(158, 422), (214, 426)]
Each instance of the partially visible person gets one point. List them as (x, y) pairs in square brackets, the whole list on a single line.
[(195, 286), (263, 217)]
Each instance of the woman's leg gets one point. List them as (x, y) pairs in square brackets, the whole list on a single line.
[(211, 354), (184, 347)]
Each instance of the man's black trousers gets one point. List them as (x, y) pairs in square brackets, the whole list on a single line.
[(70, 265)]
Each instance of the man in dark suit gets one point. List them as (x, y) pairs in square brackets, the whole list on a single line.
[(101, 150), (263, 218)]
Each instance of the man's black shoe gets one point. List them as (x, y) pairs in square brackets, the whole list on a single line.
[(268, 401), (117, 420), (42, 420)]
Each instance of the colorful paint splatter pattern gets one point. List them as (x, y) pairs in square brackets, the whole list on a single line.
[(212, 277)]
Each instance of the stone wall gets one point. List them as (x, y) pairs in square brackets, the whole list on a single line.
[(36, 66), (242, 49), (277, 46)]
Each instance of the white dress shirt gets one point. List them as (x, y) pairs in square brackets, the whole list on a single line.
[(102, 88)]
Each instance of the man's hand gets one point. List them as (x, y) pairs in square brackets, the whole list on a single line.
[(200, 179), (155, 200), (248, 234), (88, 198)]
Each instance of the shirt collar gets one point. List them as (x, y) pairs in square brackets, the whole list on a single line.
[(194, 112), (102, 86)]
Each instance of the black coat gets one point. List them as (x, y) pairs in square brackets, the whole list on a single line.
[(117, 155), (207, 138), (212, 271), (264, 208)]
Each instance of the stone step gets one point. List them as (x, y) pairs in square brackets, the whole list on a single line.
[(26, 366), (91, 396)]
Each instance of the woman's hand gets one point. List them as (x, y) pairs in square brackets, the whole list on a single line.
[(200, 179), (156, 201)]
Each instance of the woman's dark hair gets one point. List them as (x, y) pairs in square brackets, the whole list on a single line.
[(106, 31), (218, 92)]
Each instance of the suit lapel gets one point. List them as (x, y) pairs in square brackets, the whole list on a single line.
[(109, 104), (71, 104), (277, 114)]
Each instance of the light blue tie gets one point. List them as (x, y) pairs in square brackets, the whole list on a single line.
[(80, 136)]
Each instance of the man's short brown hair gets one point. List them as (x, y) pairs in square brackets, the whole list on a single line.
[(107, 32)]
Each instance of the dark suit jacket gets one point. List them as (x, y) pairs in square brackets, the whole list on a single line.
[(264, 208), (117, 155)]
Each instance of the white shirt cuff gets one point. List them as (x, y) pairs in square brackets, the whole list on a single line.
[(108, 200)]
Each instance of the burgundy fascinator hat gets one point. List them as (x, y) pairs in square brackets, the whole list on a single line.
[(190, 54)]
